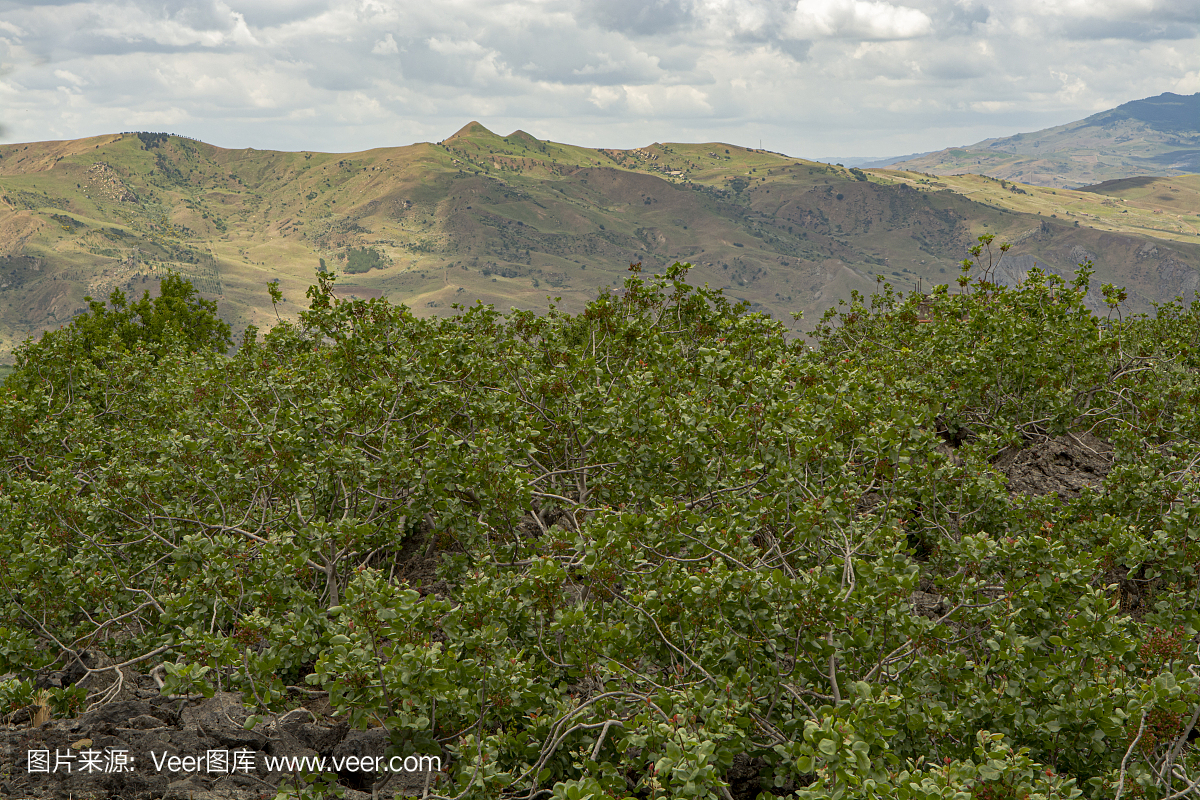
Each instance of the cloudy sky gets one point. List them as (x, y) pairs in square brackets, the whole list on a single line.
[(804, 77)]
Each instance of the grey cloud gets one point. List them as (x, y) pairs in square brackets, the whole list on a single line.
[(962, 17), (546, 52), (270, 13), (797, 49), (336, 74), (424, 64), (955, 66), (197, 16), (1133, 30), (1179, 10), (536, 51), (8, 7), (679, 63), (96, 29), (640, 17), (103, 44), (745, 39)]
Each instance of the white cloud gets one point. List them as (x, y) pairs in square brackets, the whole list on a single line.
[(666, 101), (459, 48), (605, 97), (995, 106), (386, 46), (858, 19), (69, 77), (1073, 87)]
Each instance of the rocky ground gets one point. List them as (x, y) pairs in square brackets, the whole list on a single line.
[(145, 746)]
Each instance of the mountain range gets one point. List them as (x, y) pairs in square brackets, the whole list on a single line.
[(516, 221), (1156, 136)]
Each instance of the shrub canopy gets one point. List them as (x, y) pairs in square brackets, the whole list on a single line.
[(653, 549)]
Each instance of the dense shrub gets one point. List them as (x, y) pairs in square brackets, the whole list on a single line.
[(657, 548), (364, 259)]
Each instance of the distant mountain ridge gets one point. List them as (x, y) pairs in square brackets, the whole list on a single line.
[(1154, 136), (1168, 112), (868, 162), (514, 221)]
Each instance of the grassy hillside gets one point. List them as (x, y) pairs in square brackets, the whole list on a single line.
[(513, 220), (1165, 208), (1157, 136)]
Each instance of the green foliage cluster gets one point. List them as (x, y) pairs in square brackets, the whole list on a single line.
[(178, 319), (364, 259), (677, 553), (150, 140), (16, 695)]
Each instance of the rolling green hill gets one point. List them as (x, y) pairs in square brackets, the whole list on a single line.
[(1157, 136), (513, 220)]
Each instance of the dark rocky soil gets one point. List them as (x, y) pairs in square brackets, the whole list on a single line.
[(148, 729), (1060, 466)]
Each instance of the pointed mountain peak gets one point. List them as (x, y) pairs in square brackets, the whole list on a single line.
[(470, 129)]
